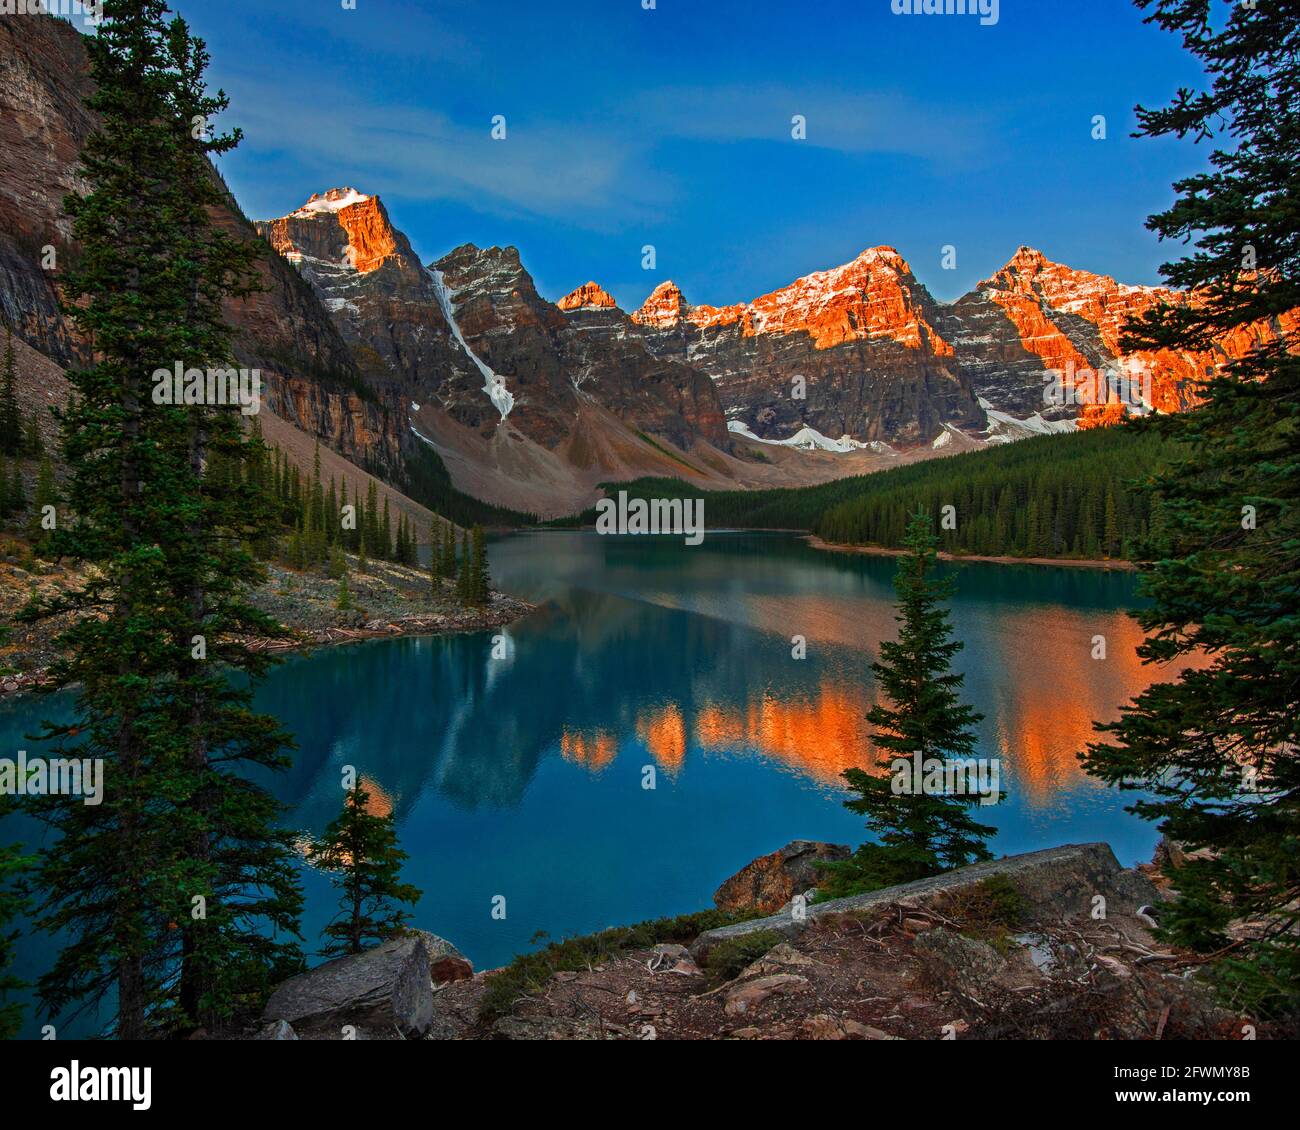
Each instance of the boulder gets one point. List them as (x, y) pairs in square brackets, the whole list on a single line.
[(384, 988), (1056, 884), (748, 995), (771, 881), (446, 962), (277, 1030)]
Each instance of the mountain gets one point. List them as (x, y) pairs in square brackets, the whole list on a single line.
[(863, 337), (457, 375), (1034, 315), (884, 362)]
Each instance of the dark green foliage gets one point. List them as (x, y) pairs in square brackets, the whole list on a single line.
[(13, 902), (921, 832), (46, 495), (1215, 752), (175, 893), (1042, 497), (360, 849), (11, 425), (464, 569), (428, 482), (479, 583), (729, 958), (529, 972)]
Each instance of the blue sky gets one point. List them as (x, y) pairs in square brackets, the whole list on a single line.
[(672, 127)]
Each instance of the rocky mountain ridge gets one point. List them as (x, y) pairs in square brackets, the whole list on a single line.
[(530, 404)]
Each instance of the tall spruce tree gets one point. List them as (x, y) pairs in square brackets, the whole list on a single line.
[(11, 424), (176, 891), (921, 829), (480, 583), (1215, 752), (13, 902), (360, 848)]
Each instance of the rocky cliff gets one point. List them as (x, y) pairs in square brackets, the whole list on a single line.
[(1035, 315), (854, 351)]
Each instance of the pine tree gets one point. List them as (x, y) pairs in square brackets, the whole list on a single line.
[(45, 496), (1216, 752), (13, 902), (480, 584), (344, 600), (33, 444), (435, 558), (360, 848), (370, 531), (175, 892), (921, 831), (464, 569), (11, 425), (448, 552), (386, 535)]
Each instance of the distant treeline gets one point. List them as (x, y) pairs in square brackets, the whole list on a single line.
[(1050, 496)]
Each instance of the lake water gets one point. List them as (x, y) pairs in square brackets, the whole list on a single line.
[(520, 774)]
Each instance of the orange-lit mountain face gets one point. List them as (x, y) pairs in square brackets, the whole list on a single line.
[(1038, 342), (855, 351), (589, 295), (1035, 315)]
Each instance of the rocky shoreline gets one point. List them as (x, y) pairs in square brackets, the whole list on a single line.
[(1063, 562), (1007, 949), (387, 600)]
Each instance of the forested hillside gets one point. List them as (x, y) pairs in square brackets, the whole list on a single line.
[(1068, 496)]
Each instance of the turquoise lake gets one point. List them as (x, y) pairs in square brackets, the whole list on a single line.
[(515, 766)]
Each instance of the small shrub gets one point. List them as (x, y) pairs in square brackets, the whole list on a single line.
[(729, 958)]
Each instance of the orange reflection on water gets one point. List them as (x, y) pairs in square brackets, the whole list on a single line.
[(664, 734), (593, 751), (1045, 690), (821, 737), (378, 802)]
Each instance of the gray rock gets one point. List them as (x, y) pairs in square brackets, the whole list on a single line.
[(1056, 884), (277, 1030), (446, 962), (385, 987)]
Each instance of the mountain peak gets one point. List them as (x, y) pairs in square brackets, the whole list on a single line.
[(333, 200), (356, 234), (590, 294), (664, 308)]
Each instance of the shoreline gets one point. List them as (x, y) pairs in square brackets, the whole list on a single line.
[(1115, 565), (502, 611)]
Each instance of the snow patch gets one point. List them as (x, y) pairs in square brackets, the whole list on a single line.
[(806, 439), (330, 202), (493, 384)]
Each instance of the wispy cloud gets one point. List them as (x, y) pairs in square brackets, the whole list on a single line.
[(854, 123), (417, 152)]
